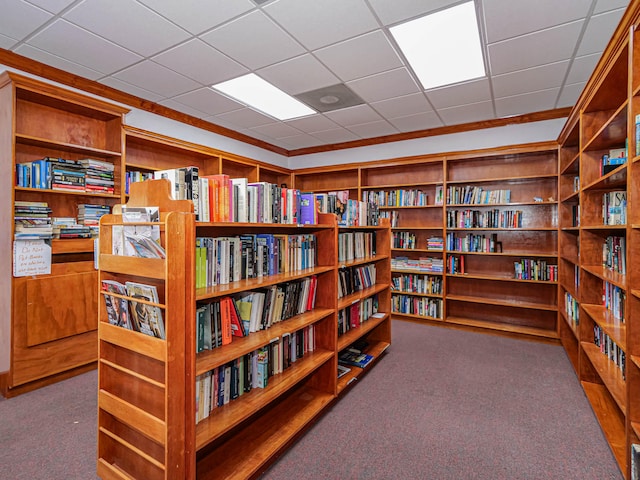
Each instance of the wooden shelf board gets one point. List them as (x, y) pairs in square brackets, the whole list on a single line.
[(144, 267), (506, 254), (252, 283), (147, 345), (223, 419), (500, 279), (571, 198), (358, 296), (407, 207), (636, 360), (71, 147), (245, 226), (412, 270), (503, 327), (416, 294), (501, 179), (49, 191), (71, 245), (571, 229), (572, 327), (424, 250), (502, 229), (635, 426), (607, 275), (635, 292), (413, 186), (612, 327), (361, 261), (413, 315), (609, 419), (377, 350), (603, 227), (239, 346), (512, 204), (609, 373), (505, 303), (356, 333), (614, 179), (266, 436), (416, 228)]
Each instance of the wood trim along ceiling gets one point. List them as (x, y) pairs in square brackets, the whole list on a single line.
[(34, 67)]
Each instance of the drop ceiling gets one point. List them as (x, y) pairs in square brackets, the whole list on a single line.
[(538, 55)]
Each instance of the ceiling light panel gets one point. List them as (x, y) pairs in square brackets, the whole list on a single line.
[(444, 47)]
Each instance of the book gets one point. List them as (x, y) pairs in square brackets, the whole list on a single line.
[(141, 240), (354, 357), (117, 308), (343, 370), (147, 318)]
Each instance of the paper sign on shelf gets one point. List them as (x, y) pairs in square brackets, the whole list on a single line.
[(31, 257)]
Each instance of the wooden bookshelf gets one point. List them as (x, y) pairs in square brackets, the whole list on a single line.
[(50, 320), (489, 277), (147, 399)]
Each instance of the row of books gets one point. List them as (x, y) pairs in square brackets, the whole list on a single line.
[(230, 381), (421, 306), (575, 215), (424, 284), (435, 243), (217, 322), (356, 314), (393, 216), (85, 175), (221, 260), (612, 160), (613, 299), (422, 264), (132, 176), (356, 245), (611, 349), (484, 219), (473, 243), (535, 269), (572, 309), (125, 311), (407, 240), (473, 195), (455, 264), (350, 213), (614, 207), (396, 198), (355, 279), (32, 220), (614, 254)]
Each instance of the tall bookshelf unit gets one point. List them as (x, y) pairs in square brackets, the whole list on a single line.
[(487, 296), (147, 386), (602, 343), (53, 317)]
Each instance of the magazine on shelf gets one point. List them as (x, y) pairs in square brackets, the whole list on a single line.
[(141, 240), (147, 318), (117, 308)]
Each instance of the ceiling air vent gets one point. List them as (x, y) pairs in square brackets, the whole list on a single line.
[(331, 98)]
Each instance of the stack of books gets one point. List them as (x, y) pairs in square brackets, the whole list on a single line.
[(66, 174), (98, 176), (32, 220)]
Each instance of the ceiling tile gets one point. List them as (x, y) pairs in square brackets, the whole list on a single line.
[(396, 11), (606, 5), (598, 32), (530, 102), (156, 78), (467, 113), (200, 62), (19, 19), (570, 94), (298, 75), (196, 16), (299, 141), (207, 101), (354, 115), (532, 79), (335, 135), (373, 129), (312, 123), (246, 118), (420, 121), (267, 44), (382, 86), (181, 107), (75, 44), (539, 48), (402, 106), (131, 89), (105, 18), (582, 68), (7, 42), (460, 94), (373, 52), (57, 62), (53, 6), (511, 18), (322, 22), (277, 130)]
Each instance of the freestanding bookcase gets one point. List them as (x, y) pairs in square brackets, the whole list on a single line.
[(147, 398)]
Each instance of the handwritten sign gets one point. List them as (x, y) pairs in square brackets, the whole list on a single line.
[(31, 257)]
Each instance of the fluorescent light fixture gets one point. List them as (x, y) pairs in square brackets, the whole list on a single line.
[(257, 93), (444, 47)]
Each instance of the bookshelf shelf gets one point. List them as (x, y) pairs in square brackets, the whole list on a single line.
[(523, 330), (506, 303), (497, 278), (604, 318)]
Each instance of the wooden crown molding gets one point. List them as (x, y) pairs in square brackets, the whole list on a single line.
[(34, 67)]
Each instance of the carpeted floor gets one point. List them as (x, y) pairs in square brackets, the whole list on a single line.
[(442, 404)]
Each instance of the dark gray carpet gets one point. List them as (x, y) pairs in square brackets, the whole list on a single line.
[(441, 405)]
